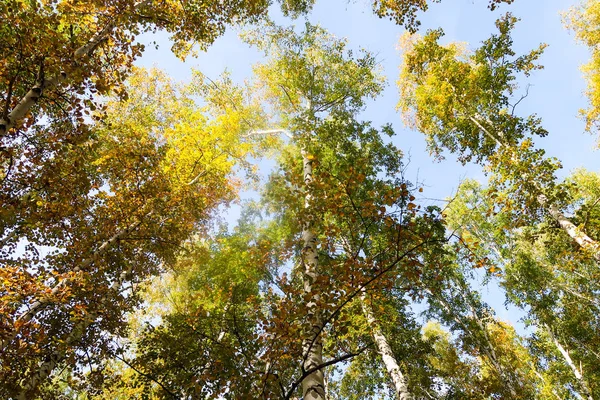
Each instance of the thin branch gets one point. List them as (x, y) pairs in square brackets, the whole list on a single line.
[(270, 132), (147, 376), (521, 99), (324, 365), (288, 96), (351, 297)]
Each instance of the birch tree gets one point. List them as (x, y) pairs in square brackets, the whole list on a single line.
[(545, 275), (61, 52), (315, 87), (506, 368), (466, 103), (156, 170), (367, 224), (347, 229)]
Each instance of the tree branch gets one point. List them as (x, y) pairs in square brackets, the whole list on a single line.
[(324, 365)]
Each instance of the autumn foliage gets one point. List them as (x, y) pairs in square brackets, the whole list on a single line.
[(121, 278)]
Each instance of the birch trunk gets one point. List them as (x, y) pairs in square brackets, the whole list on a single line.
[(587, 393), (575, 233), (565, 224), (489, 347), (31, 97), (313, 385), (385, 351), (491, 353)]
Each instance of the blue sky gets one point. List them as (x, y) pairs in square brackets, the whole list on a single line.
[(556, 93)]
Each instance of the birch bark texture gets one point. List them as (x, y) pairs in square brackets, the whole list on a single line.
[(386, 353), (317, 88), (13, 118), (313, 385), (578, 373)]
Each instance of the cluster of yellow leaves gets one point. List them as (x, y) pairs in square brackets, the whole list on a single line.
[(584, 20)]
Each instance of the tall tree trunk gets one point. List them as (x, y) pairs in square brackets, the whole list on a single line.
[(544, 381), (575, 233), (485, 345), (385, 351), (12, 119), (313, 385), (488, 346), (565, 224), (585, 389)]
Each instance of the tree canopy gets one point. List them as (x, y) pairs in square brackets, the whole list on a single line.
[(124, 274)]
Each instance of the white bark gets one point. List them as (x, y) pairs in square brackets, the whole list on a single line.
[(385, 351), (566, 225), (578, 373), (487, 348), (313, 385), (575, 233), (32, 96), (544, 380), (490, 349)]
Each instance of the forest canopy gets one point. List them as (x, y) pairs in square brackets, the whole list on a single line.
[(202, 235)]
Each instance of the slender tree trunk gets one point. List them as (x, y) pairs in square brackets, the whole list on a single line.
[(488, 347), (485, 346), (565, 224), (587, 393), (12, 119), (313, 385), (385, 351), (575, 233), (544, 381), (491, 353)]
